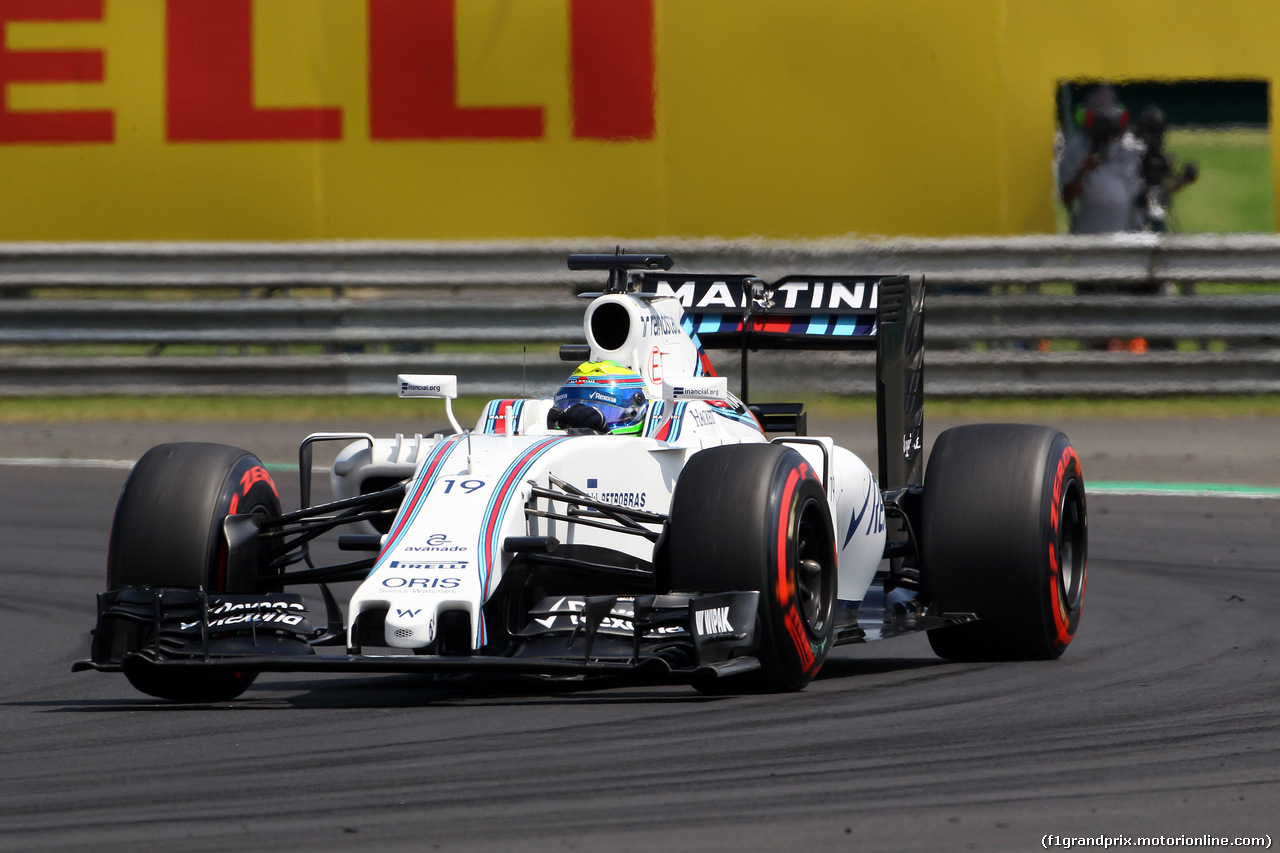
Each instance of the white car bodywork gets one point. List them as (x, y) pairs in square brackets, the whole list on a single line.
[(471, 491)]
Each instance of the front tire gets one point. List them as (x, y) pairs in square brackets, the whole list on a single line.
[(168, 532), (756, 517), (1005, 536)]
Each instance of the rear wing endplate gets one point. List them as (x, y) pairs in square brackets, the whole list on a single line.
[(900, 381)]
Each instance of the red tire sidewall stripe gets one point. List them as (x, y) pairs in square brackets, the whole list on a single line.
[(785, 582), (1064, 623), (784, 524)]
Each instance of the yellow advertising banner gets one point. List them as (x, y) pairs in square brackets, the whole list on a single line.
[(444, 119)]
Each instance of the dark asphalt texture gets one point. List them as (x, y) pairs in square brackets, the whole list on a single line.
[(1163, 718)]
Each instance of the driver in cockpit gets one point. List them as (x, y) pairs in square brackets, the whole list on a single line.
[(601, 397)]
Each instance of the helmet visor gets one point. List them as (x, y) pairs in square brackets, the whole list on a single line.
[(622, 408)]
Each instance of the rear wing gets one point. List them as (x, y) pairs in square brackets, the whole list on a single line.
[(803, 312), (796, 312)]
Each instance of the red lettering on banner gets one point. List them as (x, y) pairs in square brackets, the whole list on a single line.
[(611, 59), (210, 80), (412, 77), (51, 66), (413, 83)]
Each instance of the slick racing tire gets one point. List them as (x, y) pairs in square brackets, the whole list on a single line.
[(755, 517), (168, 532), (1004, 536)]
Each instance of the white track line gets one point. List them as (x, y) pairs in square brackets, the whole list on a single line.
[(53, 462)]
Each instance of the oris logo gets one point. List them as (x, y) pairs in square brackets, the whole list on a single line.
[(422, 584)]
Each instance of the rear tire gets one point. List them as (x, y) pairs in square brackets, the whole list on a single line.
[(755, 517), (168, 533), (1004, 535)]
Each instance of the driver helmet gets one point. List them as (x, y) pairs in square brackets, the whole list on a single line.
[(612, 390)]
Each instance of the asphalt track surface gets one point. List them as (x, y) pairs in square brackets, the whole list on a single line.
[(1162, 719)]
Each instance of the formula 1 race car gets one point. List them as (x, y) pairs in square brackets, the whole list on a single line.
[(638, 521)]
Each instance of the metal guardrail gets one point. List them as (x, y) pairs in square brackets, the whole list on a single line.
[(1133, 258), (351, 302)]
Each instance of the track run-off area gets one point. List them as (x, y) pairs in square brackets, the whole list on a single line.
[(1159, 721)]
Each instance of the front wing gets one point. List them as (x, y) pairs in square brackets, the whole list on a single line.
[(683, 636)]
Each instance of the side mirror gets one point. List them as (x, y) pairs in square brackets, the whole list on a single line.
[(427, 385)]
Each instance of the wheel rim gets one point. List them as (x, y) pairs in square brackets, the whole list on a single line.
[(814, 575), (1072, 546)]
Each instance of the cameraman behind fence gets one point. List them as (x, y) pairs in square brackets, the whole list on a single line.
[(1100, 179), (1100, 172), (1160, 178)]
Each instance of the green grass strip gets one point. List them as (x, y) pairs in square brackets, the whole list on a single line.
[(1181, 490)]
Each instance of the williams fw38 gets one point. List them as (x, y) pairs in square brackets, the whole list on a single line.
[(643, 520)]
